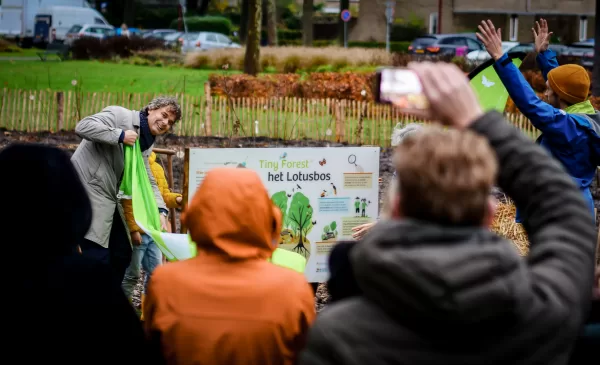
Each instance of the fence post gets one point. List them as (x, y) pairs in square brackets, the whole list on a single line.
[(60, 110), (207, 109), (339, 122)]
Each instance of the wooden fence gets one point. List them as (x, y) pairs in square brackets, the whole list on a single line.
[(348, 121)]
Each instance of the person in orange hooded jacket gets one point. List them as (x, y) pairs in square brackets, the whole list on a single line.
[(146, 254), (229, 305)]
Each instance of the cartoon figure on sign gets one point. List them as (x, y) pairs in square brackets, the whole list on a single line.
[(364, 205), (352, 161), (283, 156), (357, 206), (334, 189), (329, 232), (322, 162)]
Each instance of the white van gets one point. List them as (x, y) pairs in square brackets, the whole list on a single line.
[(17, 17), (53, 23)]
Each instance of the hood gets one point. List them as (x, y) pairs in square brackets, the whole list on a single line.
[(231, 213), (424, 273), (44, 201), (152, 158)]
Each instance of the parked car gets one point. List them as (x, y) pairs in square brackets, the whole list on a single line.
[(173, 40), (158, 33), (89, 30), (583, 50), (482, 55), (446, 44), (204, 41)]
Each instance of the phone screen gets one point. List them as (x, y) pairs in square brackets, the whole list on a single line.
[(400, 86)]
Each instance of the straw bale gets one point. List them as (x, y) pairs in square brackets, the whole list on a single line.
[(504, 225)]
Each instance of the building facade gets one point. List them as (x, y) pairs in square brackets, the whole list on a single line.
[(570, 20)]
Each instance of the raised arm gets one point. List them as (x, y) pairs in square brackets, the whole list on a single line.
[(546, 59), (104, 127), (553, 122)]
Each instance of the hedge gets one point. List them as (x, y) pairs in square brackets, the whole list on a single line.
[(395, 47), (217, 24)]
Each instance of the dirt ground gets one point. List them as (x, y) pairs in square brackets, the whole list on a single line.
[(69, 141)]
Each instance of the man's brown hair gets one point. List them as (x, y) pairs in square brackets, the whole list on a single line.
[(445, 176)]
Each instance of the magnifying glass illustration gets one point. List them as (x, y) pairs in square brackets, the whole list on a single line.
[(352, 160)]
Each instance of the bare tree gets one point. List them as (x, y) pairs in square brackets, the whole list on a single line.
[(252, 57), (272, 22), (307, 23)]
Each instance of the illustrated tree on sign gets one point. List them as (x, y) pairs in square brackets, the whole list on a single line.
[(300, 220), (280, 200)]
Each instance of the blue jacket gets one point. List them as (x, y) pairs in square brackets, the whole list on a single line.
[(572, 138)]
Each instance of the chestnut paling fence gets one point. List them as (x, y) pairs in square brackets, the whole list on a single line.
[(332, 120)]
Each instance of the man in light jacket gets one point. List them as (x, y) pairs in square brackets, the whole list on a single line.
[(99, 161)]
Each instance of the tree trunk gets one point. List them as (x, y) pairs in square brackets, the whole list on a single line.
[(344, 4), (272, 22), (307, 23), (252, 57), (129, 13), (202, 7), (596, 72), (244, 16)]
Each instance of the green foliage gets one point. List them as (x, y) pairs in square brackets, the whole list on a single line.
[(333, 225), (299, 214), (155, 18), (280, 200), (217, 24), (407, 29)]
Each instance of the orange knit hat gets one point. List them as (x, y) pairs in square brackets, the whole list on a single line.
[(570, 82)]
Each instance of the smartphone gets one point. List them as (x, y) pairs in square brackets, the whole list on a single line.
[(400, 86)]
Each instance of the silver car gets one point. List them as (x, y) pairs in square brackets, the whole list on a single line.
[(204, 41), (99, 31)]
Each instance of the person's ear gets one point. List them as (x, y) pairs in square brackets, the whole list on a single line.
[(490, 211)]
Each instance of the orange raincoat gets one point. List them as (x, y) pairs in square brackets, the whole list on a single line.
[(229, 305)]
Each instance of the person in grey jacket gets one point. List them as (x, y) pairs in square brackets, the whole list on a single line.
[(99, 161), (438, 287)]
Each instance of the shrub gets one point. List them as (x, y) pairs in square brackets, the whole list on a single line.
[(86, 48), (165, 57), (294, 59), (216, 24), (6, 46), (348, 85)]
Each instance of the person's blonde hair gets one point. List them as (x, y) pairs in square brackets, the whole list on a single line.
[(445, 176)]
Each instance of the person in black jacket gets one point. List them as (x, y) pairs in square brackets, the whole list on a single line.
[(60, 307), (438, 286)]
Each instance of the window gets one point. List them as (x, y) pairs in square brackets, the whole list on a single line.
[(473, 45), (75, 29), (211, 38), (223, 39), (583, 25), (454, 41), (433, 23), (513, 28), (98, 21)]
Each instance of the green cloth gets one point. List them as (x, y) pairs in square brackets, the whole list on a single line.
[(489, 88), (136, 186), (585, 107), (289, 259)]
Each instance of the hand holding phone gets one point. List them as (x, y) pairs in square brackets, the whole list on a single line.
[(401, 87)]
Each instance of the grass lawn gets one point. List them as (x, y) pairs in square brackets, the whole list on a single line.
[(98, 76)]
